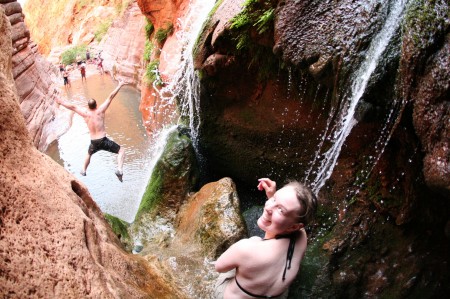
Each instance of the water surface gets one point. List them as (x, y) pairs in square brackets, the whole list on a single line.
[(124, 126)]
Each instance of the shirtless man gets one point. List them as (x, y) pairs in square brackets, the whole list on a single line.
[(95, 120)]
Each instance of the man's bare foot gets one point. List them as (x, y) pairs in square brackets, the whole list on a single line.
[(119, 175)]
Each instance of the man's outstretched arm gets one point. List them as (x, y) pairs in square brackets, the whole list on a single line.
[(108, 100), (71, 106)]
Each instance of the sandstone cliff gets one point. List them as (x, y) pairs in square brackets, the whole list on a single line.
[(123, 45), (34, 79), (54, 240)]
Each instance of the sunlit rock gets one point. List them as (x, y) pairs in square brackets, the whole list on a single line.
[(211, 218), (123, 45), (55, 241), (35, 81)]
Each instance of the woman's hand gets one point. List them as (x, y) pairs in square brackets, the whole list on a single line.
[(268, 185)]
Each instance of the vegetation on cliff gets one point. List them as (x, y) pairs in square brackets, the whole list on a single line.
[(69, 56), (426, 21), (252, 32), (154, 41)]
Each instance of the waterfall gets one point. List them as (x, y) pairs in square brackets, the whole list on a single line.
[(184, 86), (346, 120)]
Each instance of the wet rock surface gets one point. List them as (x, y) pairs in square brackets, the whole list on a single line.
[(255, 127)]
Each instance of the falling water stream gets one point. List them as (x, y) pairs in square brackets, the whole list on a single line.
[(346, 120), (184, 85)]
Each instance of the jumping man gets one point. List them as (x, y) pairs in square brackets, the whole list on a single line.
[(95, 120)]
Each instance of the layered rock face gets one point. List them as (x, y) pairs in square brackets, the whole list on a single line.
[(123, 46), (38, 81), (54, 240), (34, 79), (115, 29)]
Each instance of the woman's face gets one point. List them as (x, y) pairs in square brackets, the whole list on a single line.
[(280, 213)]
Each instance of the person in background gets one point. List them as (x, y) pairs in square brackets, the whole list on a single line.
[(265, 268), (83, 71), (100, 65), (65, 75), (88, 56), (95, 120)]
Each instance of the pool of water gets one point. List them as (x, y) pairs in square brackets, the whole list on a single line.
[(123, 125)]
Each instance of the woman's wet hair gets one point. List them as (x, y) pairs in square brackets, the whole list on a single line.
[(307, 200), (92, 104)]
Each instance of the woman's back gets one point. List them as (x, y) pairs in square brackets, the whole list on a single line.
[(262, 265)]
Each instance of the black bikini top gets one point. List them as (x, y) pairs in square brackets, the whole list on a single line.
[(290, 252)]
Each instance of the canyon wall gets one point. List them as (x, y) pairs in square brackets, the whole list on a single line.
[(55, 241), (123, 45), (269, 88), (34, 80)]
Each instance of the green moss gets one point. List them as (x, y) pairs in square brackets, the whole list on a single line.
[(426, 19), (256, 17), (312, 271), (149, 29), (70, 56), (152, 73), (162, 33), (119, 227), (152, 195), (148, 50), (175, 169), (101, 29), (214, 9)]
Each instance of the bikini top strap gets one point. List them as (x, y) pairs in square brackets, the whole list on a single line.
[(290, 253), (251, 294)]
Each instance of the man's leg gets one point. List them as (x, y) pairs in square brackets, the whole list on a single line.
[(87, 160), (120, 158)]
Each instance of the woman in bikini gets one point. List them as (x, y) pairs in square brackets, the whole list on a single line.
[(264, 268)]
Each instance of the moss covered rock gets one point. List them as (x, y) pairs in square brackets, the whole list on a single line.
[(120, 228), (174, 176)]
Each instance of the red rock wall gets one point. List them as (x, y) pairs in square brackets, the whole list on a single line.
[(123, 46), (33, 77), (54, 240)]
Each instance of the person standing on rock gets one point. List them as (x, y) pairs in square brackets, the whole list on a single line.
[(95, 120), (265, 268)]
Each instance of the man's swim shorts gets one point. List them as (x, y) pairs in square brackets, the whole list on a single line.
[(103, 144)]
